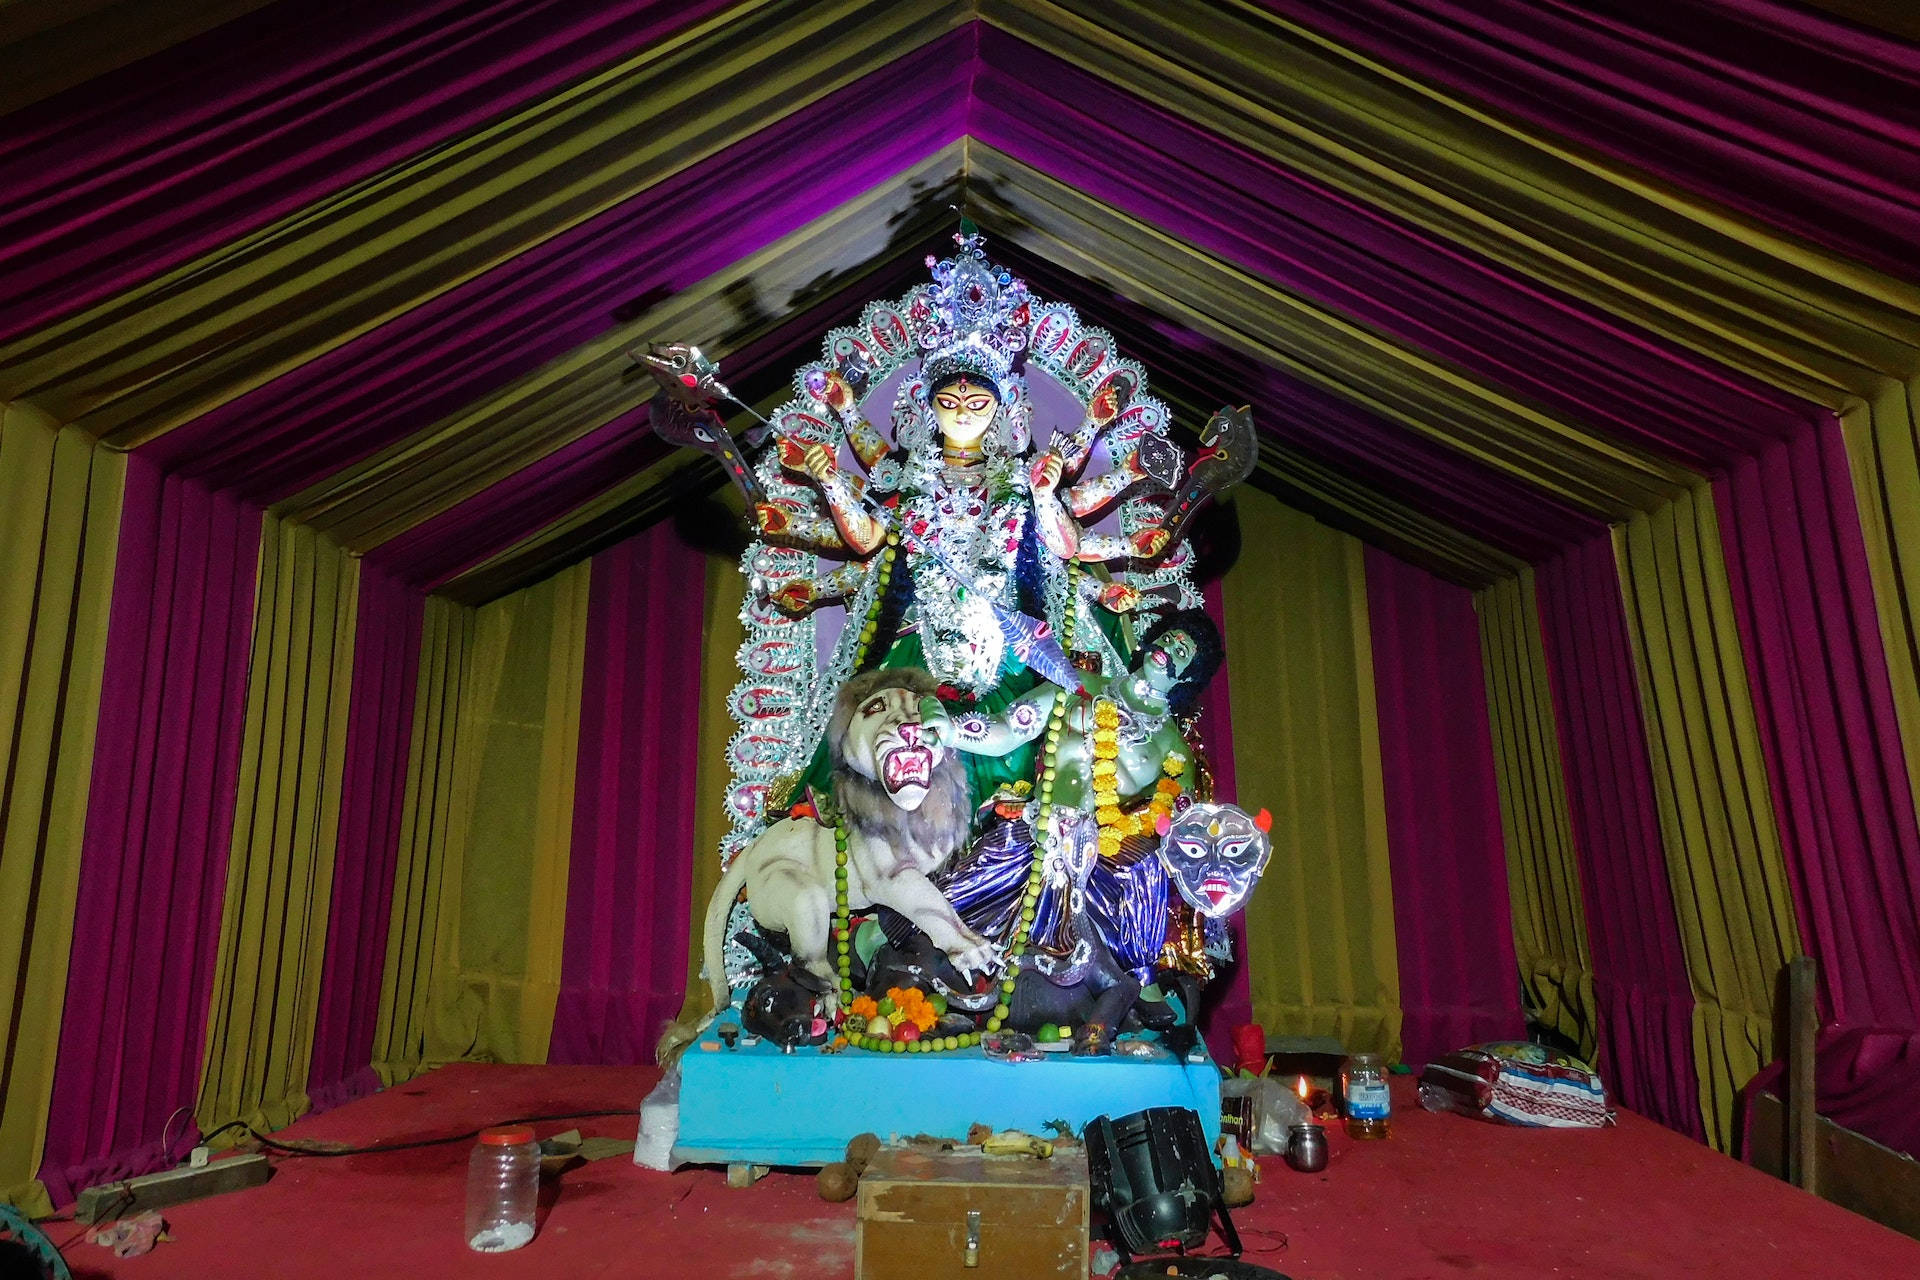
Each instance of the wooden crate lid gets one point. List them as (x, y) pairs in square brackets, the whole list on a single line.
[(1066, 1168)]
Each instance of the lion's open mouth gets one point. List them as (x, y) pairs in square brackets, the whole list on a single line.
[(907, 766)]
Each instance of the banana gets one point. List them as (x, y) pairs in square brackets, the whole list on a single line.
[(1012, 1142)]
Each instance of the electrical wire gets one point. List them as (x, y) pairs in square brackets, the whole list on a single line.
[(299, 1149), (126, 1198)]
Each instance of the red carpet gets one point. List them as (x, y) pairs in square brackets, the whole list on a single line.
[(1444, 1197)]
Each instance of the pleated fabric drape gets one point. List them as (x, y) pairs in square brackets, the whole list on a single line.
[(273, 930), (630, 864), (1642, 998), (430, 824), (1828, 170), (60, 511), (1543, 881), (1724, 863), (503, 885), (159, 831), (198, 169), (1881, 428), (386, 660), (1502, 300), (722, 634), (1320, 939), (1803, 599), (1452, 921), (1228, 1000)]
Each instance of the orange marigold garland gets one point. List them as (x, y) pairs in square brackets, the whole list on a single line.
[(1115, 825)]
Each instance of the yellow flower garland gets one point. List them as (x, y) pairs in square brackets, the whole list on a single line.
[(1116, 826)]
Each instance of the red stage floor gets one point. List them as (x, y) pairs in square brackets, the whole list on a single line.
[(1443, 1197)]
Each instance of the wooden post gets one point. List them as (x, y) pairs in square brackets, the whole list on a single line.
[(1803, 1025)]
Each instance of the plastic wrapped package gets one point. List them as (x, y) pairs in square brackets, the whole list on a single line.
[(1270, 1109), (659, 1124)]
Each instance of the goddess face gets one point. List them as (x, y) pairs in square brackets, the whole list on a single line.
[(963, 410)]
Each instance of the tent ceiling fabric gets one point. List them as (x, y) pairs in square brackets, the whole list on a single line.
[(1492, 280)]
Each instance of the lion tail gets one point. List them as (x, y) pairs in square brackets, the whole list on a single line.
[(719, 907)]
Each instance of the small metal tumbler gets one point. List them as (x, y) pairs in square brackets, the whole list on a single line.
[(1307, 1147)]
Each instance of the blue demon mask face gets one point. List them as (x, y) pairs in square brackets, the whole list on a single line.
[(1215, 854)]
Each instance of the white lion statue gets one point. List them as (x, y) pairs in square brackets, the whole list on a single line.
[(907, 810)]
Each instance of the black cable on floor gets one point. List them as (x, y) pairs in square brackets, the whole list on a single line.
[(297, 1149)]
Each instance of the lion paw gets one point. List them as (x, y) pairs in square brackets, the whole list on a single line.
[(982, 957)]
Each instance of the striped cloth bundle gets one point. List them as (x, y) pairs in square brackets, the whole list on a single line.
[(1513, 1083)]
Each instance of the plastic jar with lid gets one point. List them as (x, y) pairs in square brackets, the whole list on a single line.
[(1364, 1097), (503, 1186)]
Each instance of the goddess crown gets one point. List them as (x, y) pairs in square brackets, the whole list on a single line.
[(974, 318)]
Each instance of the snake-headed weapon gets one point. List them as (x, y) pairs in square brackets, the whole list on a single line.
[(1227, 454), (683, 413)]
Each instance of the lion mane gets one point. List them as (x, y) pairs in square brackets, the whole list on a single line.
[(942, 822)]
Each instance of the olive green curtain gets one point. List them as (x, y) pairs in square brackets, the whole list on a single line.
[(1883, 450), (302, 285), (503, 879), (273, 928), (59, 533), (430, 823), (719, 671), (1306, 745), (1543, 879), (1790, 314), (1400, 383), (1724, 861)]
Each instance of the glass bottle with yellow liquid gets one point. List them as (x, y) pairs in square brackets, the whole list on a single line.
[(1364, 1098)]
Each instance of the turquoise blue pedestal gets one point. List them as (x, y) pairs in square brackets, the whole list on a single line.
[(756, 1105)]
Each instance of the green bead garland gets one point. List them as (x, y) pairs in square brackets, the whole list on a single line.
[(870, 625), (1029, 901)]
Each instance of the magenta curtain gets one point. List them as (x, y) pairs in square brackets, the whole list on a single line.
[(1228, 1001), (1427, 476), (159, 824), (449, 352), (1640, 973), (1804, 605), (1261, 216), (1802, 119), (386, 664), (119, 179), (623, 969), (1459, 979)]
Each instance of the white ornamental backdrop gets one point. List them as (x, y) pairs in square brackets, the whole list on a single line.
[(786, 690)]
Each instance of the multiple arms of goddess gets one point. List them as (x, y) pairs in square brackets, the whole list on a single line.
[(849, 525), (1058, 527), (859, 529)]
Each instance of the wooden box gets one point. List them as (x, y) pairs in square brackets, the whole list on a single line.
[(918, 1207)]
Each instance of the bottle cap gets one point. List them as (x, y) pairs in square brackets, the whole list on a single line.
[(509, 1136)]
